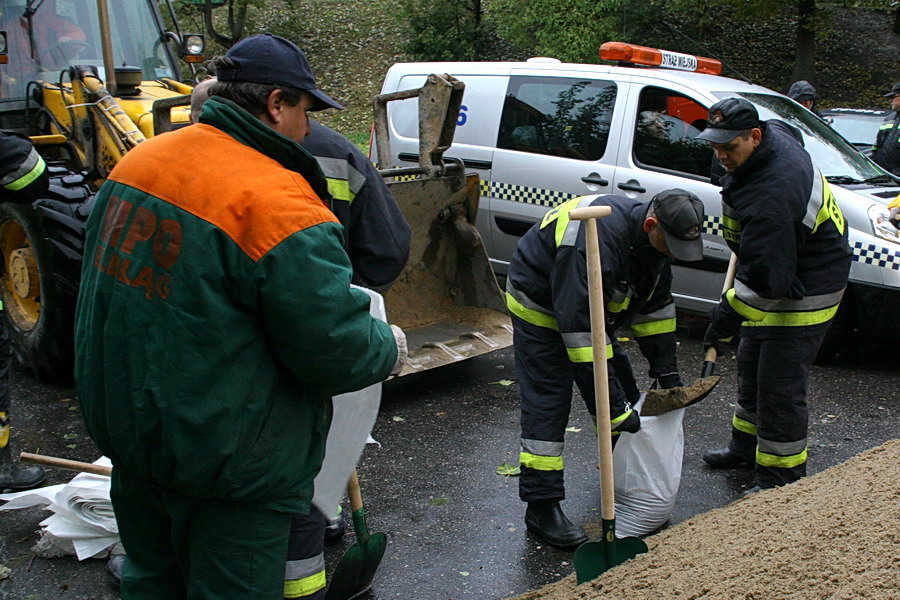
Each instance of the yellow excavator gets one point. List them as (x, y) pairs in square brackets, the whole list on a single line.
[(90, 79)]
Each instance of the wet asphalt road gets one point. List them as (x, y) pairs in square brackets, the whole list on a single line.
[(455, 528)]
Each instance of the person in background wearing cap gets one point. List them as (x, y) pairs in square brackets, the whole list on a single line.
[(886, 151), (215, 321), (781, 219), (376, 237), (804, 94), (547, 297)]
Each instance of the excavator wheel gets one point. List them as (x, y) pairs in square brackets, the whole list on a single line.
[(42, 246)]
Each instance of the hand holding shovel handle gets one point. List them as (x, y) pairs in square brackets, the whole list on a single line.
[(709, 363), (594, 558)]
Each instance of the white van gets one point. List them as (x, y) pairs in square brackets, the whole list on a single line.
[(541, 132)]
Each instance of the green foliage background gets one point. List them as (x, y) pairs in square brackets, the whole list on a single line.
[(352, 43)]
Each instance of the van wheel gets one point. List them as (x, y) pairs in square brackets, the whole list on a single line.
[(42, 245)]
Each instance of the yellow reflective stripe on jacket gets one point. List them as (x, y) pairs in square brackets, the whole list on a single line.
[(811, 310), (618, 302), (743, 425), (540, 463), (653, 327), (530, 315), (30, 170), (340, 189), (782, 462), (586, 354), (731, 229), (822, 205)]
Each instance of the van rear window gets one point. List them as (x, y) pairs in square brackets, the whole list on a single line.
[(565, 117)]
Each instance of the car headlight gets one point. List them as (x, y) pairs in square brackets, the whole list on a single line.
[(880, 215)]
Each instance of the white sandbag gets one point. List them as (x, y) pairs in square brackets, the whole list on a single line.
[(647, 467), (352, 422), (82, 523)]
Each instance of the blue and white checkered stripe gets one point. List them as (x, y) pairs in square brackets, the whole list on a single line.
[(866, 253), (870, 254), (529, 195)]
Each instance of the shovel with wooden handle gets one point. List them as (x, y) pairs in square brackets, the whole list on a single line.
[(709, 363), (595, 558), (64, 463), (354, 574)]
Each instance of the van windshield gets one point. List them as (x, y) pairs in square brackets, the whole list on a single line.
[(840, 162), (46, 36)]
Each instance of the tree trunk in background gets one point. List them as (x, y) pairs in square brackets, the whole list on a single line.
[(805, 63)]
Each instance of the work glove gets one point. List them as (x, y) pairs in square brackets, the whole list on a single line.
[(402, 352), (722, 329), (670, 380)]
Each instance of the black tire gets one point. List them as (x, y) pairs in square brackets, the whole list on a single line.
[(42, 246)]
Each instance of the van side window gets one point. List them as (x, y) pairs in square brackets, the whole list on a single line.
[(565, 117), (665, 130)]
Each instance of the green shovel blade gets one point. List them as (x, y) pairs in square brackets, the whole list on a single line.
[(356, 571), (595, 558)]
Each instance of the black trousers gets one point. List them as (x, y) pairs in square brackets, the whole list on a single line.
[(771, 418), (545, 376), (304, 575)]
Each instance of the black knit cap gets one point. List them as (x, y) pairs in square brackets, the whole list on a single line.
[(681, 215), (274, 60), (727, 119)]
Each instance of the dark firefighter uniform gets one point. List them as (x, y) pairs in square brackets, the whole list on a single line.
[(23, 177), (376, 237), (886, 151), (781, 219), (547, 296)]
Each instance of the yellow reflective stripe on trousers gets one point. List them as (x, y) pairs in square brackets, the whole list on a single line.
[(540, 463), (653, 327), (307, 586), (782, 462), (586, 355), (761, 318), (743, 425), (530, 315)]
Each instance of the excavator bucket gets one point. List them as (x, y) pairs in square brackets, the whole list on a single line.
[(446, 299)]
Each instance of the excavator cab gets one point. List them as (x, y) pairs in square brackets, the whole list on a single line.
[(87, 80)]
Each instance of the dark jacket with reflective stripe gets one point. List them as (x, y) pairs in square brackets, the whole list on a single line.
[(547, 281), (783, 222), (23, 174), (886, 151), (376, 235)]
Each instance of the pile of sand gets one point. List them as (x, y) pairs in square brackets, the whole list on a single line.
[(834, 535)]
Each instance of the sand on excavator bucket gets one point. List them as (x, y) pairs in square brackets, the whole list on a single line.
[(446, 299)]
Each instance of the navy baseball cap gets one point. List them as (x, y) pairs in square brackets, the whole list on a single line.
[(727, 119), (274, 60), (681, 215), (895, 91)]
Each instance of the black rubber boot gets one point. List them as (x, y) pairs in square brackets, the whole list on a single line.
[(726, 458), (17, 478), (546, 519)]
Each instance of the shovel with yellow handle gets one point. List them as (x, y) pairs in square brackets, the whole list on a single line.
[(595, 558)]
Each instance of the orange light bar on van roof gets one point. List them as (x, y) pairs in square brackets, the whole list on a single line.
[(654, 57)]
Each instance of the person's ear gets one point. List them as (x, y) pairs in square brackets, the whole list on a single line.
[(650, 223), (274, 106), (756, 136)]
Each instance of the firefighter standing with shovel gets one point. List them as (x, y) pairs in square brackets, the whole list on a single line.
[(547, 296)]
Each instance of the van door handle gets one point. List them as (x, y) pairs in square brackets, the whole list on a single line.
[(631, 188), (595, 179)]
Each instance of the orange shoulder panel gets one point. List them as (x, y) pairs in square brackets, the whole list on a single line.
[(251, 197)]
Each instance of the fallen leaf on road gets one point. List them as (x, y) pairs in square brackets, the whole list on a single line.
[(574, 429), (508, 470), (506, 382)]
